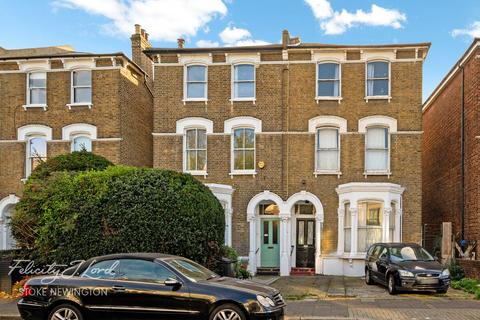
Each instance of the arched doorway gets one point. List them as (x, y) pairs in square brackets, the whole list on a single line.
[(7, 206)]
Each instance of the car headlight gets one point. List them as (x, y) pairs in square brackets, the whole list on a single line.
[(265, 301), (445, 273), (405, 273)]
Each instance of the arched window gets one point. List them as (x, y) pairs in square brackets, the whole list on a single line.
[(80, 135), (378, 79), (196, 80), (81, 143), (328, 80)]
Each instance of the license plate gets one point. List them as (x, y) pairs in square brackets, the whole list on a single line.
[(428, 281)]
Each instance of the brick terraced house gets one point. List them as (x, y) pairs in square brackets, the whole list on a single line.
[(54, 100), (314, 150), (451, 153)]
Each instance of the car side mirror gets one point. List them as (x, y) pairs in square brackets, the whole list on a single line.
[(170, 282)]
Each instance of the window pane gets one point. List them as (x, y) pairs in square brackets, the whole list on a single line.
[(244, 89), (244, 72), (347, 240), (82, 94), (108, 269), (191, 139), (37, 80), (202, 160), (378, 87), (377, 69), (38, 96), (196, 73), (249, 138), (249, 160), (328, 89), (301, 233), (310, 228), (373, 216), (327, 138), (145, 271), (82, 78), (265, 232), (201, 139), (238, 138), (238, 160), (191, 160), (377, 138), (327, 160), (377, 160), (348, 216), (275, 232), (82, 143), (38, 147), (328, 71), (196, 90)]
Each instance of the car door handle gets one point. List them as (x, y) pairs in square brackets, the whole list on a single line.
[(118, 288)]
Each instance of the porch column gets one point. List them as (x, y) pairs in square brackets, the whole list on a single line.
[(228, 227), (3, 234), (284, 244), (397, 233), (341, 231), (252, 255), (354, 231), (318, 245), (386, 224)]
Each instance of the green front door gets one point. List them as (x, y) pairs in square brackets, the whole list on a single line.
[(270, 251)]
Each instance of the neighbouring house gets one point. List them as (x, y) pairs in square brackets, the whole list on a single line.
[(451, 152), (55, 100), (314, 150)]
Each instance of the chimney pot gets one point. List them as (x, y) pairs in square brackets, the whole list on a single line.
[(181, 43), (143, 32), (146, 36), (138, 28)]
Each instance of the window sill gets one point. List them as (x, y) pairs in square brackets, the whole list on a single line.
[(243, 173), (27, 106), (253, 100), (377, 173), (338, 99), (24, 180), (79, 104), (195, 100), (378, 98), (327, 173), (197, 173)]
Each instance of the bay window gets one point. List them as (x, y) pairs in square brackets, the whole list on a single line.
[(327, 150), (195, 154), (377, 150), (243, 82), (378, 79), (347, 228), (243, 149), (370, 219), (196, 82), (328, 80)]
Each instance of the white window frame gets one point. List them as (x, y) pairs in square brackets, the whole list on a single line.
[(382, 97), (194, 172), (232, 149), (80, 135), (185, 82), (28, 163), (36, 105), (334, 98), (72, 90), (76, 130), (339, 149), (378, 172), (232, 84)]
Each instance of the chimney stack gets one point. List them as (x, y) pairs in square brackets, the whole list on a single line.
[(285, 38), (181, 43), (139, 43)]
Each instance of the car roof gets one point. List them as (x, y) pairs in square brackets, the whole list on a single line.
[(139, 255), (397, 244)]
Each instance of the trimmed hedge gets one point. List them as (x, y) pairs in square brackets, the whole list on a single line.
[(125, 209)]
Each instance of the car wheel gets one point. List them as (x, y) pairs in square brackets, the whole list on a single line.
[(442, 291), (392, 289), (368, 277), (227, 312), (65, 312)]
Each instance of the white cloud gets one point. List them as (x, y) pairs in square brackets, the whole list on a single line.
[(337, 22), (473, 31), (233, 36), (164, 20), (207, 44)]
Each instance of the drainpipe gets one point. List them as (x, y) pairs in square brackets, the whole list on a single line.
[(462, 150)]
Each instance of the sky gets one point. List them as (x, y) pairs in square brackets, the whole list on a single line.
[(104, 26)]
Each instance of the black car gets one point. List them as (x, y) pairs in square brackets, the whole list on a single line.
[(405, 266), (147, 285)]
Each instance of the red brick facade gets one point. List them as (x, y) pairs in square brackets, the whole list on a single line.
[(443, 195)]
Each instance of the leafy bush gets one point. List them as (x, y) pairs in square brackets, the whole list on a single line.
[(240, 270), (468, 285), (456, 270), (124, 209), (39, 187)]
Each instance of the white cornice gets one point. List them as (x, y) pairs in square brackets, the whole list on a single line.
[(369, 187)]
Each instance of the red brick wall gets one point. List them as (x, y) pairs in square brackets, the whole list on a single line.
[(471, 267)]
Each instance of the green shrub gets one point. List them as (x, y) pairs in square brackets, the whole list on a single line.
[(456, 270), (124, 209), (469, 285)]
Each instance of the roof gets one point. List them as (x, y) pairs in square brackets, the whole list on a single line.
[(271, 47), (397, 244), (32, 52), (453, 71)]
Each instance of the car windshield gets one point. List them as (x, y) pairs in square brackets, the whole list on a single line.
[(192, 270), (409, 253)]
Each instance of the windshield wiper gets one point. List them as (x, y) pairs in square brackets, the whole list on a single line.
[(213, 276)]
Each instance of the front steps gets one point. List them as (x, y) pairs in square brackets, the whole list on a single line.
[(268, 271), (302, 272)]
